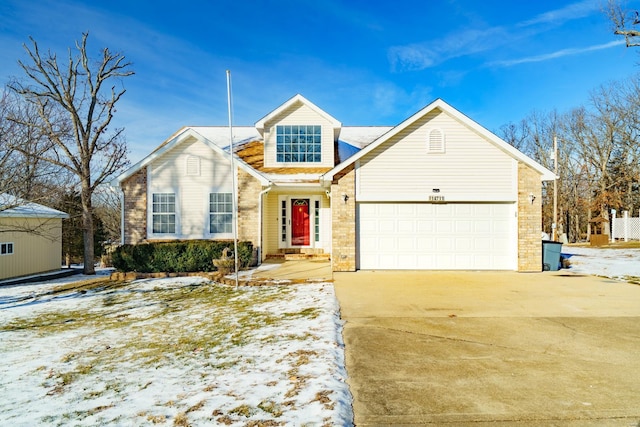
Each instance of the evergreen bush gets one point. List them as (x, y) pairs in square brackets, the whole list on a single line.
[(174, 257)]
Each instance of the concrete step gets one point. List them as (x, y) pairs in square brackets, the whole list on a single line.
[(294, 257)]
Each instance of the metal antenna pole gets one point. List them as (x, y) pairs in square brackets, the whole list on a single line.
[(233, 178)]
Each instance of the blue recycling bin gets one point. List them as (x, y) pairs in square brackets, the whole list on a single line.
[(551, 255)]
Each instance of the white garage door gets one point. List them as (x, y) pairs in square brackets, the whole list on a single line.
[(452, 236)]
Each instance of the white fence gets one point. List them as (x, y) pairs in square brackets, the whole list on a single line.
[(626, 228)]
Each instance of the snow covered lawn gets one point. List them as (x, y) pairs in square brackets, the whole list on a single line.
[(180, 351), (621, 264), (188, 352)]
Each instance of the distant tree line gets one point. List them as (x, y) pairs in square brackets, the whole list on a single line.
[(598, 156)]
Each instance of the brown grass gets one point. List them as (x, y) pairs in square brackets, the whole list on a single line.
[(181, 420)]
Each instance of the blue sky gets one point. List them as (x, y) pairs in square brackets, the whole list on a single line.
[(362, 61)]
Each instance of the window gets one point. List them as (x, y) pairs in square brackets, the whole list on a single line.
[(435, 144), (316, 220), (6, 248), (220, 213), (283, 221), (164, 213), (298, 144)]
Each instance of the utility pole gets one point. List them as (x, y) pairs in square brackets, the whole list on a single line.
[(554, 226)]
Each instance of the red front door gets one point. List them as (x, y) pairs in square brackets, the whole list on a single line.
[(300, 222)]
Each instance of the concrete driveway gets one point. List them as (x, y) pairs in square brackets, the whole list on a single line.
[(499, 348)]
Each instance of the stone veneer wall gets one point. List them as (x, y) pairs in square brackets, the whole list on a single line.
[(529, 219), (344, 221), (135, 207), (248, 215)]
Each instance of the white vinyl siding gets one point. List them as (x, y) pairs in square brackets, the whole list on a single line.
[(470, 168), (424, 236), (175, 170), (299, 114)]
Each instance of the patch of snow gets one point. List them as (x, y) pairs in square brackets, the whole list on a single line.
[(614, 263), (361, 136), (290, 371)]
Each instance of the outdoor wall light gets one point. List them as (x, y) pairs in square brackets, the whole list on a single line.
[(345, 197), (532, 198)]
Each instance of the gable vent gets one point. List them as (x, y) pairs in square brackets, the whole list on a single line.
[(435, 144), (193, 166)]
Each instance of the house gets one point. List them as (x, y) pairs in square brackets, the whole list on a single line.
[(437, 191), (30, 237)]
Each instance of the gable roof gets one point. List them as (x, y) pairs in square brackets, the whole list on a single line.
[(296, 99), (249, 149), (546, 174), (15, 207), (183, 135)]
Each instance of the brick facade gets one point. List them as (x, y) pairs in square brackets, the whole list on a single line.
[(248, 215), (529, 219), (344, 221), (135, 207)]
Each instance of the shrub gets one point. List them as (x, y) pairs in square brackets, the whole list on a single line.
[(172, 257)]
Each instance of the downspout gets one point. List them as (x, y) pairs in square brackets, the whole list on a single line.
[(262, 193), (121, 215)]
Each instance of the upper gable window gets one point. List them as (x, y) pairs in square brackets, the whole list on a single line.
[(435, 143), (298, 144)]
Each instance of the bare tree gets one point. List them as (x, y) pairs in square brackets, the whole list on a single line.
[(17, 174), (107, 204), (625, 22), (534, 136), (23, 172), (605, 148), (75, 103), (6, 148), (515, 134)]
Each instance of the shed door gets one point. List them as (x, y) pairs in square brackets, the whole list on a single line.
[(426, 236)]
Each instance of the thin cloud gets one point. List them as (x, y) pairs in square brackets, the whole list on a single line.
[(420, 56), (569, 12), (557, 54)]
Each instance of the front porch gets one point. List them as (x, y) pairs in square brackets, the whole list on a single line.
[(297, 225)]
